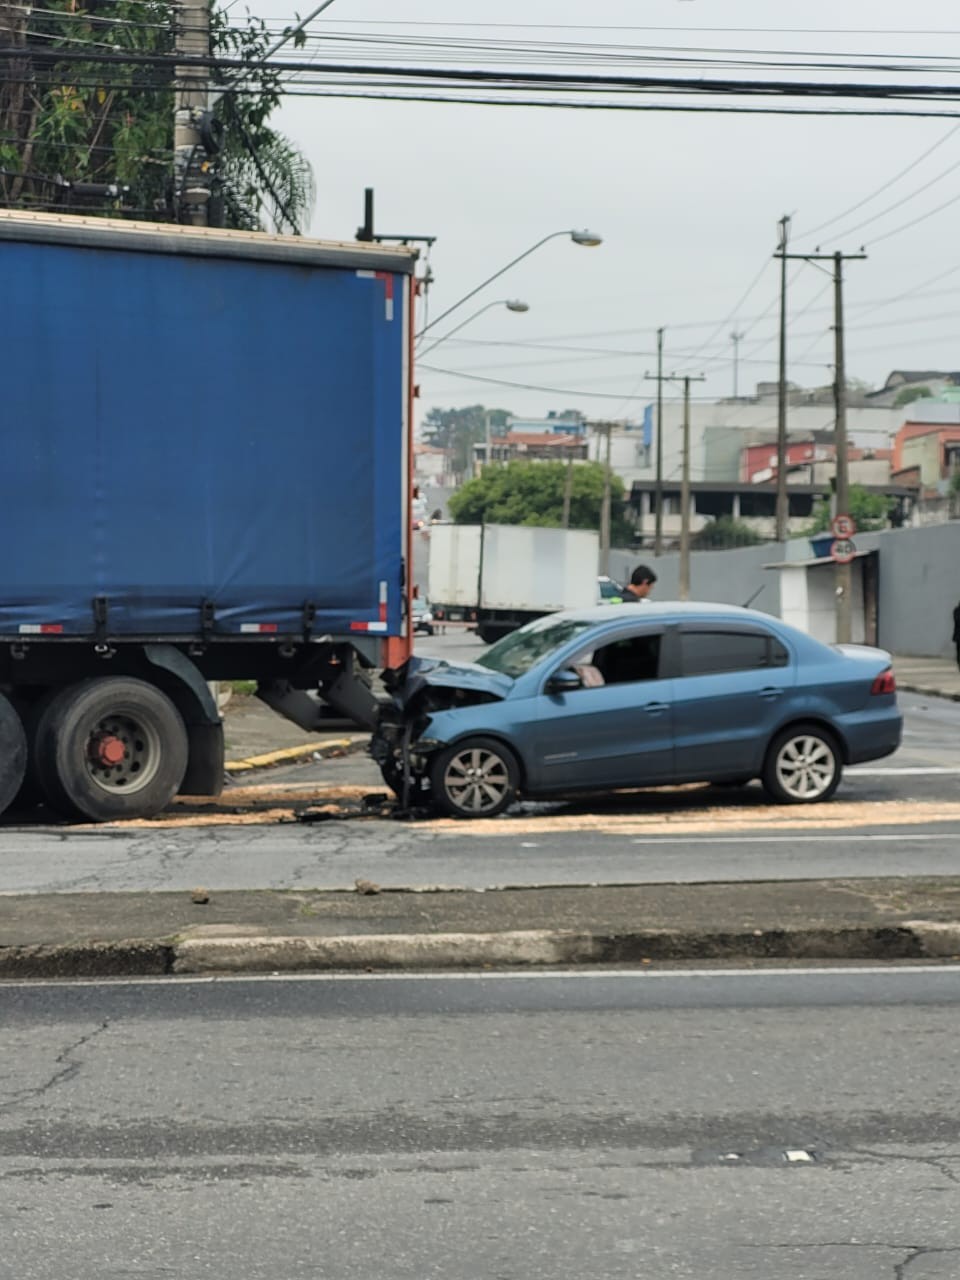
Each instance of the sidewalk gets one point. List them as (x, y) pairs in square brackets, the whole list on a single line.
[(256, 931), (935, 677), (257, 736)]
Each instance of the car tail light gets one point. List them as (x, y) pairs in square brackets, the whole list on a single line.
[(886, 682)]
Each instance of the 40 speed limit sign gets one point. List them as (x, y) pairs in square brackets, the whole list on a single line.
[(843, 550)]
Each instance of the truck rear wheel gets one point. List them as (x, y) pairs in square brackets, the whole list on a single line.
[(13, 753), (109, 749)]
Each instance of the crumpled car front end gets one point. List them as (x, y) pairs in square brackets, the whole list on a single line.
[(424, 714)]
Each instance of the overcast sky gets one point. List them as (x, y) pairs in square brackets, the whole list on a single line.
[(687, 205)]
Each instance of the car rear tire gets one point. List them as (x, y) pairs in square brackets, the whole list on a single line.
[(110, 749), (803, 765), (13, 753), (475, 778)]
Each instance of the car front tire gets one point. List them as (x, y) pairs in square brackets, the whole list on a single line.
[(803, 765), (475, 778)]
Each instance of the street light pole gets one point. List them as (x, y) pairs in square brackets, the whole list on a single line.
[(512, 304), (586, 238)]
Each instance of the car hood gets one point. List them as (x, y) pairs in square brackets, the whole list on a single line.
[(435, 673)]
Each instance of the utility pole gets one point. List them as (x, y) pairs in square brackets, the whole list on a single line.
[(684, 585), (783, 501), (736, 338), (191, 168), (568, 489), (844, 571), (844, 574), (605, 429), (686, 379), (658, 493)]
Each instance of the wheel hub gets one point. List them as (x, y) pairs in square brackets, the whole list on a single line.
[(107, 750)]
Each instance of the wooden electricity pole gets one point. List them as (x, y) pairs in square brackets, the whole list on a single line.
[(844, 572), (658, 493), (686, 379), (783, 501)]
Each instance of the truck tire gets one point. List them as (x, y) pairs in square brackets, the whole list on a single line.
[(13, 753), (110, 748)]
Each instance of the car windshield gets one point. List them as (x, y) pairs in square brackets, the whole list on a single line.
[(516, 653)]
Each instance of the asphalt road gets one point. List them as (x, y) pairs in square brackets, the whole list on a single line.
[(735, 1124), (898, 817)]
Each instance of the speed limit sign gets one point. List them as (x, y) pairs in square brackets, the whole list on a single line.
[(843, 526), (843, 550)]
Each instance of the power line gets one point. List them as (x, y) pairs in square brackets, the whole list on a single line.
[(885, 186)]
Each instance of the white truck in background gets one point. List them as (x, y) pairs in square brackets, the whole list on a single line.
[(501, 576)]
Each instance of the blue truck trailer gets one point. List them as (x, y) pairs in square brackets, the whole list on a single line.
[(205, 476)]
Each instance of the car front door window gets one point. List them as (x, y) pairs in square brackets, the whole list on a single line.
[(615, 729)]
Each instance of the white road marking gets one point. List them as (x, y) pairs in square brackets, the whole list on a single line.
[(832, 838), (906, 771), (442, 975)]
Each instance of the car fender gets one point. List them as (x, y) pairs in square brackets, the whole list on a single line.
[(447, 728)]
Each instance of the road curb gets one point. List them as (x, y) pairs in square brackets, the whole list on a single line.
[(535, 948), (928, 693), (289, 755)]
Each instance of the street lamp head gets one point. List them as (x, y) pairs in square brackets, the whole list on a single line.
[(514, 304), (588, 238)]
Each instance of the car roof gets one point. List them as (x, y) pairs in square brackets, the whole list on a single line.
[(669, 610)]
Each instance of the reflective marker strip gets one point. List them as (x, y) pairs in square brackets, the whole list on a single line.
[(368, 626), (383, 602), (41, 629), (388, 290), (259, 628), (387, 279)]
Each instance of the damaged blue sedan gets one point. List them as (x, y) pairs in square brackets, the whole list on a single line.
[(626, 696)]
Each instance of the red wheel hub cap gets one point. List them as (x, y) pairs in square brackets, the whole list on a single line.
[(108, 750)]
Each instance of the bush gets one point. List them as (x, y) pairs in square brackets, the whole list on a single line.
[(724, 533)]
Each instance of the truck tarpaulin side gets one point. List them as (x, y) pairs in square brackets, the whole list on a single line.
[(203, 424)]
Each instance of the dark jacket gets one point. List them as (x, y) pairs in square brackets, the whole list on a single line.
[(956, 624)]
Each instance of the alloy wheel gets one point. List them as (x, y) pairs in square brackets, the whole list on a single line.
[(477, 780), (806, 767)]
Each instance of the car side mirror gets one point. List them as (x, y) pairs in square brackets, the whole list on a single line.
[(564, 681)]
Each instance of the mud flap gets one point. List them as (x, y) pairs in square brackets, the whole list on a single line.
[(205, 770), (13, 753)]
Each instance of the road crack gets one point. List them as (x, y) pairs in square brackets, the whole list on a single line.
[(66, 1066)]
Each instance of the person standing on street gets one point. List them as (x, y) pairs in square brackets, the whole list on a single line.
[(640, 585), (956, 631)]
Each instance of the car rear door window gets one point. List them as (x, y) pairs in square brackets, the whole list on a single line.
[(711, 652)]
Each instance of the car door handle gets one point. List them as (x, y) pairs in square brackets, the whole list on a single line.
[(656, 708), (770, 693)]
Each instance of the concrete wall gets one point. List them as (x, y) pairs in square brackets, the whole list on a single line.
[(919, 582), (919, 587), (725, 577)]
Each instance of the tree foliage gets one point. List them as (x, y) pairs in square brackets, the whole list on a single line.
[(531, 493), (460, 429), (907, 395), (870, 511), (723, 534), (66, 122)]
